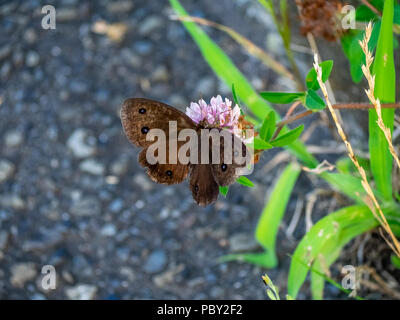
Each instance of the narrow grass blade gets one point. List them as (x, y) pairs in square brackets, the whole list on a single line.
[(385, 90), (248, 45), (268, 224)]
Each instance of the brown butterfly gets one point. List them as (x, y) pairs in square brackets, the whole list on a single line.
[(139, 116)]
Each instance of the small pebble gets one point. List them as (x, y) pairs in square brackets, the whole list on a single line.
[(81, 292), (6, 170), (156, 261), (22, 273), (32, 59)]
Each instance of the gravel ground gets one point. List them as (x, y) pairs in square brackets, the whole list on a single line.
[(72, 194)]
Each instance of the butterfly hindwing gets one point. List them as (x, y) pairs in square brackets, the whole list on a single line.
[(164, 173), (226, 172), (202, 184)]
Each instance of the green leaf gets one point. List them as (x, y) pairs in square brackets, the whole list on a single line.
[(395, 261), (235, 98), (325, 238), (268, 224), (268, 127), (313, 101), (287, 138), (365, 14), (396, 19), (328, 236), (311, 79), (346, 166), (282, 97), (261, 144), (318, 276), (321, 275), (385, 90), (223, 190), (349, 185), (245, 181)]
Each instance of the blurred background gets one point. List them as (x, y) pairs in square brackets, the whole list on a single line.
[(72, 194)]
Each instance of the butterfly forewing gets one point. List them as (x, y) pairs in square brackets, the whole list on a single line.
[(139, 116)]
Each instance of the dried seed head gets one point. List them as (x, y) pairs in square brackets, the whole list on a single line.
[(321, 18)]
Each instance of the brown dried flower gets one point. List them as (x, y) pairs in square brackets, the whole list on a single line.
[(321, 18)]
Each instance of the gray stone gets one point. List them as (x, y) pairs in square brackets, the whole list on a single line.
[(120, 6), (22, 273), (160, 74), (143, 181), (32, 59), (139, 204), (30, 36), (77, 142), (5, 51), (67, 14), (5, 70), (116, 205), (128, 273), (241, 242), (92, 166), (78, 86), (274, 43), (6, 170), (163, 279), (18, 58), (149, 25), (81, 292), (143, 47), (46, 240), (131, 58), (206, 87), (108, 230), (13, 201), (7, 8), (156, 261), (13, 138), (177, 100), (4, 235), (86, 207), (120, 166)]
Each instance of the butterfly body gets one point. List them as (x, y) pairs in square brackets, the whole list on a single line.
[(139, 116)]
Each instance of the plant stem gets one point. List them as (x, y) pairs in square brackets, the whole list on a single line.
[(339, 106), (371, 7)]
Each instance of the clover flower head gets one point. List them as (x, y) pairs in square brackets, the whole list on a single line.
[(218, 113)]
